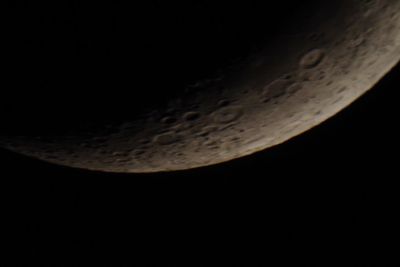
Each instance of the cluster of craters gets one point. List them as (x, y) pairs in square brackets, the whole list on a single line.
[(330, 69)]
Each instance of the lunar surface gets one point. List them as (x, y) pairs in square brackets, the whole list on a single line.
[(279, 83)]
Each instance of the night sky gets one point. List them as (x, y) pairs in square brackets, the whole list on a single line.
[(328, 193)]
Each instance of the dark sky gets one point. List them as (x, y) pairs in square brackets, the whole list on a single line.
[(327, 193)]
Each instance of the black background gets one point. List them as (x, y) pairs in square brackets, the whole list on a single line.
[(326, 194)]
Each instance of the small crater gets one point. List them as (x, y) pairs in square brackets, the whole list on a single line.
[(191, 116), (168, 120), (166, 138), (371, 6), (337, 100), (370, 2), (234, 139), (313, 75), (120, 154), (144, 141), (207, 130), (356, 40), (342, 89), (289, 76), (123, 160), (312, 58), (315, 37), (223, 103), (294, 88), (211, 144), (228, 114), (138, 152), (275, 90)]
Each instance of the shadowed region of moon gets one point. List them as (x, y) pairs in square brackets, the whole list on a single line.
[(164, 86)]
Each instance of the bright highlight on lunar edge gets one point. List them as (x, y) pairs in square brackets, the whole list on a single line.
[(295, 83)]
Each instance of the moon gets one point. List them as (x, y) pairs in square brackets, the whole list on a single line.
[(230, 104)]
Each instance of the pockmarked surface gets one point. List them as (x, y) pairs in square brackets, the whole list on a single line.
[(281, 89)]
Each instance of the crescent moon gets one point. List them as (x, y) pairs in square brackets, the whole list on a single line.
[(289, 85)]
